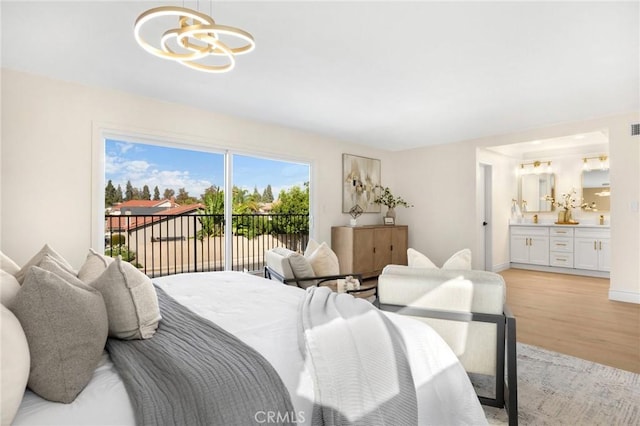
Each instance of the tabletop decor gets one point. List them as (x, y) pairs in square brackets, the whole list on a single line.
[(386, 198), (566, 204), (355, 212)]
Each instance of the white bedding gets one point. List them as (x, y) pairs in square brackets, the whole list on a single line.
[(264, 315)]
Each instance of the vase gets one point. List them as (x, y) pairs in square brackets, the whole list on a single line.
[(391, 213), (562, 214), (568, 216)]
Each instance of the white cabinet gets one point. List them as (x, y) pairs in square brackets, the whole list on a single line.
[(530, 245), (561, 247), (581, 250), (593, 249)]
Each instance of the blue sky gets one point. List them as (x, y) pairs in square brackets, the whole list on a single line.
[(194, 170)]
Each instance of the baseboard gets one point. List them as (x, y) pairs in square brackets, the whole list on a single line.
[(624, 296), (501, 267), (559, 270)]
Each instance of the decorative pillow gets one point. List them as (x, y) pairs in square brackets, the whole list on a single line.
[(35, 260), (9, 288), (312, 246), (14, 362), (8, 265), (131, 300), (94, 266), (66, 328), (459, 260), (418, 260), (324, 262), (301, 268)]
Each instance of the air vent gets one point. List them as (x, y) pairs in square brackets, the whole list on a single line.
[(635, 129)]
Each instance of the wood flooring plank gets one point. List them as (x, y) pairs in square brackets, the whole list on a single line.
[(573, 315)]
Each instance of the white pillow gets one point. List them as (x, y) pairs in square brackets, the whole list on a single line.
[(415, 259), (37, 258), (324, 261), (312, 246), (15, 363), (459, 260), (8, 265), (9, 287)]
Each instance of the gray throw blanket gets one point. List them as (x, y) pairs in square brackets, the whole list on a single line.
[(192, 372), (358, 362)]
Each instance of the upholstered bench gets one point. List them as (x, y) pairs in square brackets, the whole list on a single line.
[(467, 308)]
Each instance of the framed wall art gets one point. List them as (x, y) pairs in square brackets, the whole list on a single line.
[(360, 175)]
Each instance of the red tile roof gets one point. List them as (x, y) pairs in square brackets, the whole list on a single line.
[(132, 222)]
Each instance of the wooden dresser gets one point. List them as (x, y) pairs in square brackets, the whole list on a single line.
[(367, 249)]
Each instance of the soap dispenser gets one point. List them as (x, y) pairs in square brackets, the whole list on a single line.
[(601, 219), (535, 218)]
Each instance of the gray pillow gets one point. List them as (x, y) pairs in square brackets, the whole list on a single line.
[(35, 260), (66, 328), (93, 266), (302, 269), (131, 300)]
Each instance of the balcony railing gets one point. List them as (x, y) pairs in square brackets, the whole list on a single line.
[(168, 244)]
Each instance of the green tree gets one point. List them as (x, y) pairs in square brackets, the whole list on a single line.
[(256, 195), (146, 194), (183, 197), (119, 197), (168, 193), (212, 223), (110, 195), (156, 194), (293, 201), (292, 214), (128, 193), (267, 195)]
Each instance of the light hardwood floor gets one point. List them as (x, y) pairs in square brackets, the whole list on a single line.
[(573, 315)]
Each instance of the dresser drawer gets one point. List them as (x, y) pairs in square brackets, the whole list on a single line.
[(564, 260), (561, 244), (561, 231)]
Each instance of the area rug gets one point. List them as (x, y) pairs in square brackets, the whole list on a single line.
[(556, 389)]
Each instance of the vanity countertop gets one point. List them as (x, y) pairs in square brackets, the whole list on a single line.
[(579, 225)]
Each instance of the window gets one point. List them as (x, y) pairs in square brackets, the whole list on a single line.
[(165, 207)]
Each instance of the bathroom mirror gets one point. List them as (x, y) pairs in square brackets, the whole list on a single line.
[(596, 190), (532, 190)]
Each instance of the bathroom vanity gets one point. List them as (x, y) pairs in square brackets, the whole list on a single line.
[(569, 249)]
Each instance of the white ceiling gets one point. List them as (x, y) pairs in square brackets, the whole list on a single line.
[(389, 74)]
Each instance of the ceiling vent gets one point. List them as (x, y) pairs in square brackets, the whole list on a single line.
[(635, 129)]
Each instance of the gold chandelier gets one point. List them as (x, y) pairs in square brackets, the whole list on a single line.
[(196, 38)]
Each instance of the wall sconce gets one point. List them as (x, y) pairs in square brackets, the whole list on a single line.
[(604, 164), (538, 167)]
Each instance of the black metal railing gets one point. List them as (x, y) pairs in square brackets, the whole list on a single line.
[(169, 244)]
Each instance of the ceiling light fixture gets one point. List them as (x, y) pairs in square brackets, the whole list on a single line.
[(196, 39)]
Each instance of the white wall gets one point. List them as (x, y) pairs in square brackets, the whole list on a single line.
[(48, 128), (441, 181), (46, 178)]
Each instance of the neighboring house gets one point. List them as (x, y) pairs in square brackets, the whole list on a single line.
[(154, 224), (143, 206)]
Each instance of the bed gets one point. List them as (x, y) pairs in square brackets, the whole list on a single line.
[(265, 315)]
